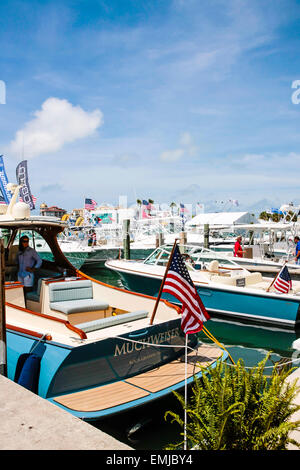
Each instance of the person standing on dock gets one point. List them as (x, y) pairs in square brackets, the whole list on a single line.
[(238, 250), (297, 251), (29, 261)]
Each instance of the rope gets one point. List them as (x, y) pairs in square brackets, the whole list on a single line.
[(38, 342), (210, 336)]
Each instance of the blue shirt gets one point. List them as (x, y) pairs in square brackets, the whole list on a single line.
[(28, 259), (298, 248)]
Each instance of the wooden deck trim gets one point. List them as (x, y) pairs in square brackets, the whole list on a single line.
[(174, 372), (101, 398), (81, 333), (28, 332), (61, 279), (16, 285)]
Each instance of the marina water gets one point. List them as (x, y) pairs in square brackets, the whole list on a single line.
[(145, 428)]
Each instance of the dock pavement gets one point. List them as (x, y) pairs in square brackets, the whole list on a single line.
[(29, 422)]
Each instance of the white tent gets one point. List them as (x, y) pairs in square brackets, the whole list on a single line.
[(221, 219)]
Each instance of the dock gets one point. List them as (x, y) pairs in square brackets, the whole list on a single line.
[(29, 422)]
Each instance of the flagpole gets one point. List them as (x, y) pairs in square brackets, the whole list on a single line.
[(267, 290), (185, 393), (162, 283)]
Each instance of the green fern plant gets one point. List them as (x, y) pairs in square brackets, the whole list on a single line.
[(233, 408)]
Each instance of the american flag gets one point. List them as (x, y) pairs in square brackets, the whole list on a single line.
[(179, 284), (283, 282), (90, 204), (183, 208)]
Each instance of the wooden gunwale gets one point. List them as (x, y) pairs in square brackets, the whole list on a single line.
[(50, 281), (28, 332), (14, 286), (81, 333)]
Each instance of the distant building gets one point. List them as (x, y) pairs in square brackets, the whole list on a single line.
[(52, 211), (78, 212)]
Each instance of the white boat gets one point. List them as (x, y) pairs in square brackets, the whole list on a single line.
[(226, 288)]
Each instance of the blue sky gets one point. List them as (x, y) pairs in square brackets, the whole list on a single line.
[(186, 100)]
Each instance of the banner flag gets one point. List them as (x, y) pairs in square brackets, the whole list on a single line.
[(22, 179), (3, 182)]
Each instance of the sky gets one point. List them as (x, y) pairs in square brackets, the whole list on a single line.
[(173, 100)]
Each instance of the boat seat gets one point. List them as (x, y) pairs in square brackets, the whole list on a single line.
[(74, 297), (253, 278), (11, 263), (112, 321), (213, 265), (35, 294), (39, 275), (231, 281)]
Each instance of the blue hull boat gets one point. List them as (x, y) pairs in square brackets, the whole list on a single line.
[(226, 289), (85, 346)]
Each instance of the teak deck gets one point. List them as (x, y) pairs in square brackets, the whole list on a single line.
[(139, 386)]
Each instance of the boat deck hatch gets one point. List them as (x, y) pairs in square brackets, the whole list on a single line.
[(141, 385)]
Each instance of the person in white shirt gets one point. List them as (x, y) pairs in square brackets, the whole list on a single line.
[(29, 261)]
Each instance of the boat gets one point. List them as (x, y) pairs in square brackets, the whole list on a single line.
[(226, 288), (266, 247), (74, 250), (87, 347)]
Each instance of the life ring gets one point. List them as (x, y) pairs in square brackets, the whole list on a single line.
[(79, 221)]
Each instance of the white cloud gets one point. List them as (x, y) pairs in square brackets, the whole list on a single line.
[(172, 155), (186, 149), (58, 122)]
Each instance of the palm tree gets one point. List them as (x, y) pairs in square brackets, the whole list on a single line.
[(264, 215), (139, 203), (150, 201)]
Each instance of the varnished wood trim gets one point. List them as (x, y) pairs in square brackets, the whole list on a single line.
[(50, 281), (81, 333), (27, 332), (16, 285)]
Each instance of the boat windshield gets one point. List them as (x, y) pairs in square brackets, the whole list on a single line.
[(37, 242), (196, 258)]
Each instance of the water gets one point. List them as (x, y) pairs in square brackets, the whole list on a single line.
[(251, 343)]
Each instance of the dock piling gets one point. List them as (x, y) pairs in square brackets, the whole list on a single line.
[(126, 238), (206, 235)]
